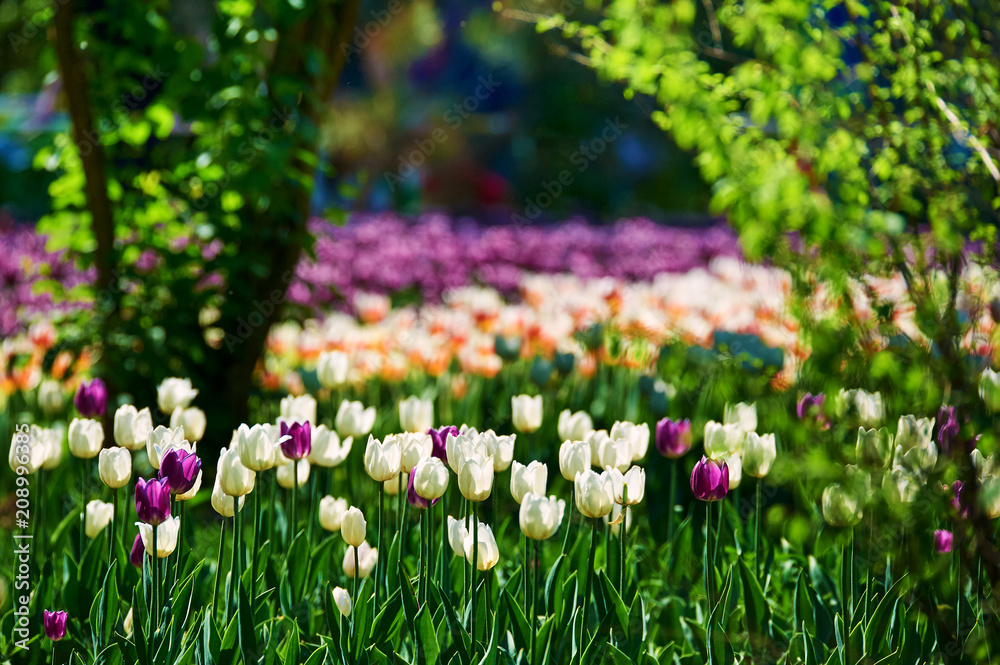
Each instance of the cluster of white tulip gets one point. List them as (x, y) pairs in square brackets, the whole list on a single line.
[(736, 442), (44, 449)]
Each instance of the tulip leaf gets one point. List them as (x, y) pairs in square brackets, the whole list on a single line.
[(387, 624), (617, 657), (318, 656), (210, 642), (297, 565), (876, 631), (427, 647), (109, 655), (107, 615), (361, 614), (719, 650), (617, 606), (757, 612), (409, 600), (499, 619), (519, 625), (392, 573), (554, 586), (459, 635), (838, 629), (249, 646), (140, 623), (292, 646), (72, 517)]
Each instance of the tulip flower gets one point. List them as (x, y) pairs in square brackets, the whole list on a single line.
[(98, 515), (223, 503), (462, 445), (295, 440), (530, 479), (500, 448), (574, 458), (163, 439), (635, 438), (331, 513), (605, 451), (192, 491), (367, 558), (127, 624), (989, 497), (810, 408), (430, 479), (948, 429), (985, 466), (180, 469), (132, 427), (629, 488), (382, 460), (300, 409), (152, 500), (91, 398), (617, 517), (759, 453), (353, 527), (28, 450), (51, 438), (574, 426), (942, 541), (293, 474), (734, 462), (50, 396), (673, 439), (526, 412), (414, 499), (913, 432), (439, 441), (415, 414), (138, 551), (593, 493), (332, 368), (342, 599), (919, 458), (353, 419), (255, 448), (234, 478), (456, 535), (722, 440), (166, 537), (865, 407), (989, 390), (173, 393), (393, 486), (710, 479), (874, 446), (539, 516), (413, 447), (327, 448), (743, 415), (55, 624), (840, 507), (481, 548), (191, 420), (475, 477), (85, 438)]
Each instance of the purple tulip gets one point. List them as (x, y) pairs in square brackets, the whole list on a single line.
[(295, 440), (152, 500), (180, 469), (810, 407), (948, 429), (959, 501), (55, 624), (138, 551), (91, 399), (942, 541), (710, 479), (439, 437), (673, 439)]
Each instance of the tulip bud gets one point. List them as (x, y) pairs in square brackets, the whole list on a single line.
[(475, 477), (540, 517), (593, 493), (127, 624), (722, 440), (85, 438), (191, 420), (166, 537), (343, 600), (810, 407), (295, 439), (152, 500), (605, 451), (456, 535), (574, 426), (743, 415), (301, 409), (865, 407), (234, 478), (710, 479), (354, 420), (874, 446), (287, 474), (163, 439), (331, 513), (367, 558), (173, 393), (55, 624), (99, 514), (673, 440), (530, 479), (332, 368), (254, 446), (500, 448), (462, 445), (132, 427), (382, 460), (635, 439), (840, 507), (574, 458), (413, 447), (50, 396), (180, 469), (439, 441), (759, 452), (138, 551), (51, 438), (91, 398), (353, 527), (526, 412), (481, 548), (430, 479), (327, 448), (223, 503), (989, 389), (115, 467), (28, 450), (630, 487), (942, 541), (415, 414)]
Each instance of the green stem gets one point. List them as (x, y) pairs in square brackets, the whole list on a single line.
[(218, 567), (718, 534), (621, 541), (569, 521), (272, 510), (256, 545), (532, 627), (111, 528), (381, 550), (709, 570), (430, 540), (156, 584), (588, 587), (313, 502), (475, 567), (756, 531), (295, 496), (354, 597), (180, 542), (671, 497), (421, 572)]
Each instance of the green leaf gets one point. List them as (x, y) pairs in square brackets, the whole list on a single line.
[(426, 639), (519, 625), (107, 616), (297, 565), (757, 612), (876, 631), (618, 607)]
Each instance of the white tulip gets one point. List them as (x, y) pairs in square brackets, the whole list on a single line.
[(629, 488), (86, 437), (331, 512), (132, 427), (382, 459), (99, 515), (456, 535), (327, 448), (430, 478), (353, 419), (332, 368), (115, 467), (166, 537), (287, 476), (500, 448), (540, 517), (593, 493), (574, 458), (840, 507), (234, 478), (367, 558), (191, 420), (458, 448), (530, 479), (255, 448), (416, 415), (163, 439), (353, 527), (342, 599), (735, 464), (742, 415), (52, 438), (605, 451), (173, 393), (722, 440), (481, 547), (526, 412), (224, 504), (50, 396), (874, 446), (900, 487), (300, 409), (759, 453), (574, 426), (867, 407), (635, 438), (475, 477), (413, 447)]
